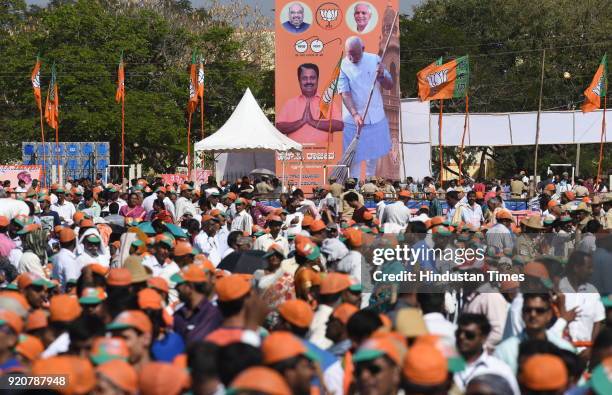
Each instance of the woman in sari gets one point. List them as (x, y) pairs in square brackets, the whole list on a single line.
[(133, 209)]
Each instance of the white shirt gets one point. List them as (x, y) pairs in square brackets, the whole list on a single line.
[(243, 222), (380, 209), (30, 262), (65, 266), (438, 325), (590, 309), (221, 238), (184, 205), (58, 346), (65, 211), (473, 215), (485, 364), (10, 208), (357, 79), (396, 213), (264, 242), (209, 247), (351, 265), (15, 256), (294, 229), (318, 327), (147, 202)]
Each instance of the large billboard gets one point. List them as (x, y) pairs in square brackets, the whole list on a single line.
[(310, 41)]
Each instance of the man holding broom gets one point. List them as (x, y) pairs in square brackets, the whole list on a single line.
[(360, 70)]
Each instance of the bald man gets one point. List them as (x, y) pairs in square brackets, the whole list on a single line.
[(295, 23), (362, 15), (359, 70)]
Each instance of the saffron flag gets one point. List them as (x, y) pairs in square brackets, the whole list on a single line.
[(52, 103), (36, 83), (444, 81), (201, 79), (330, 91), (597, 89), (120, 94), (193, 83)]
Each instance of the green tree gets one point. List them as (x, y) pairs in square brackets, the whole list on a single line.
[(504, 39), (85, 37)]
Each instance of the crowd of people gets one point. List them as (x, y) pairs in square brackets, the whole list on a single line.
[(170, 289)]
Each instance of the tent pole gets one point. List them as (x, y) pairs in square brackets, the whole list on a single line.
[(283, 181)]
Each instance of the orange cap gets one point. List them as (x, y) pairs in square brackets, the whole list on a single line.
[(544, 372), (536, 269), (214, 212), (97, 268), (154, 379), (379, 194), (378, 346), (317, 226), (18, 297), (131, 319), (504, 214), (183, 248), (570, 195), (81, 376), (354, 237), (64, 308), (26, 279), (307, 221), (425, 365), (296, 312), (192, 274), (121, 374), (36, 320), (550, 187), (149, 299), (281, 345), (344, 312), (119, 277), (12, 320), (30, 347), (479, 195), (551, 204), (261, 379), (368, 216), (4, 221), (435, 221), (232, 287), (66, 235), (87, 223), (334, 283), (386, 321), (78, 216), (232, 196), (405, 193), (159, 283)]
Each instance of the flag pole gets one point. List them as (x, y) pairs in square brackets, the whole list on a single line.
[(537, 139), (189, 146), (440, 143), (42, 138), (122, 139), (603, 135), (465, 126), (202, 125)]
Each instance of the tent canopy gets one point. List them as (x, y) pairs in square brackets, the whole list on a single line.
[(247, 130)]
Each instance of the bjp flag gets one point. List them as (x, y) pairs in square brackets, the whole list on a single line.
[(120, 94), (201, 79), (330, 91), (193, 83), (597, 88), (36, 83), (444, 81), (52, 103)]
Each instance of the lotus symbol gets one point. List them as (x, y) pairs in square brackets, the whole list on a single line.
[(437, 78), (329, 16)]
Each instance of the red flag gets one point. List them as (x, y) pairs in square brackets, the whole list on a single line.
[(120, 94), (193, 83), (36, 83), (52, 103)]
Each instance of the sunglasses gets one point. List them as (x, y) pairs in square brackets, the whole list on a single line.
[(469, 335), (370, 367), (537, 310)]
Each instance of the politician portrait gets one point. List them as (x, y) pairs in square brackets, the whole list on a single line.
[(360, 71), (361, 17), (297, 18), (300, 117)]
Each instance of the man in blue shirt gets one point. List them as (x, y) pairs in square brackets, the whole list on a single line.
[(359, 70), (295, 23)]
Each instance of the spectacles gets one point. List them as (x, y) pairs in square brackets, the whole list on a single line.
[(370, 367), (469, 335), (537, 310)]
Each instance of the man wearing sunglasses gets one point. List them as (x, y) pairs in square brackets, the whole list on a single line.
[(537, 314), (471, 335)]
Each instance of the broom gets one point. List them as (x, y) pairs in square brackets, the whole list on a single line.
[(341, 170)]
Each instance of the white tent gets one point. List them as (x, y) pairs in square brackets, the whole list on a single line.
[(248, 130), (246, 141)]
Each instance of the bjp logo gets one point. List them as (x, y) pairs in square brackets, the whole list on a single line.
[(437, 78), (329, 16)]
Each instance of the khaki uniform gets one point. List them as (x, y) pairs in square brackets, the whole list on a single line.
[(369, 188), (526, 246), (336, 190), (516, 188)]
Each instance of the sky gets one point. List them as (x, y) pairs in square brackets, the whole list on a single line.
[(267, 6)]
